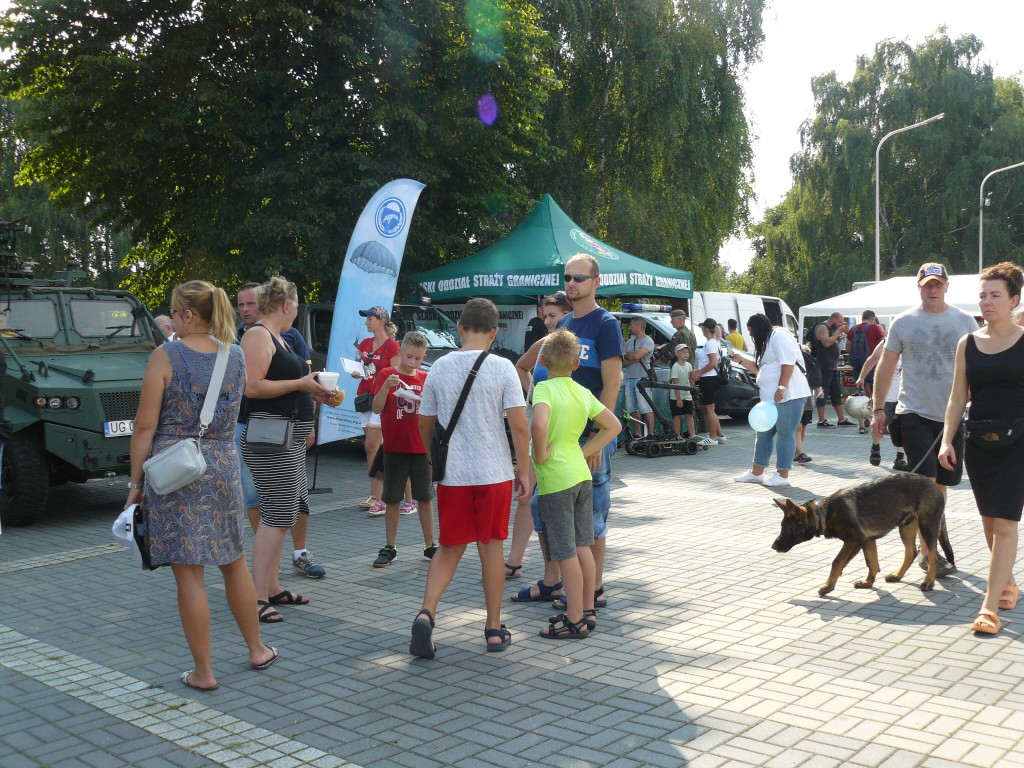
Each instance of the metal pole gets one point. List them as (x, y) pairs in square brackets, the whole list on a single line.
[(981, 210), (878, 149)]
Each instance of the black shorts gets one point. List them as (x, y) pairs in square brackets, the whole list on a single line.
[(708, 386), (399, 467), (918, 435), (808, 414), (893, 423), (680, 410)]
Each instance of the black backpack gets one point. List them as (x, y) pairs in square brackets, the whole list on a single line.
[(810, 369), (860, 350), (811, 340)]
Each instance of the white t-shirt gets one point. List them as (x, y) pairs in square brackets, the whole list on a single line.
[(711, 347), (781, 349), (478, 453)]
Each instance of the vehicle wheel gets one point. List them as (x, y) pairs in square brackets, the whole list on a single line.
[(690, 447), (653, 450), (24, 482), (632, 446)]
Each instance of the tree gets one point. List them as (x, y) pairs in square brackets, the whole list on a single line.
[(820, 239), (649, 120), (239, 138)]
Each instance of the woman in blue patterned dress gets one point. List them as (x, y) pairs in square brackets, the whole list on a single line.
[(200, 524)]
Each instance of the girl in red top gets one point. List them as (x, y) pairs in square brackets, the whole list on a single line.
[(377, 352)]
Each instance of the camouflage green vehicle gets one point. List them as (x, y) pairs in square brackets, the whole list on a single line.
[(75, 359)]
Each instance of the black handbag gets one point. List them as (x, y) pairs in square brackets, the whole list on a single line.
[(268, 435), (994, 433), (363, 402), (442, 436)]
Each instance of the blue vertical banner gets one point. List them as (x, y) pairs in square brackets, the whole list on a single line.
[(368, 279)]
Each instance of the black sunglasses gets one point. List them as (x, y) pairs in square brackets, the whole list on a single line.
[(577, 278)]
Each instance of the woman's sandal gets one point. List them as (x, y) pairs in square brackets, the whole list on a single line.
[(503, 634), (513, 571), (590, 617), (1008, 600), (288, 598), (370, 501), (267, 614), (560, 628), (599, 601), (987, 623), (421, 645), (546, 593)]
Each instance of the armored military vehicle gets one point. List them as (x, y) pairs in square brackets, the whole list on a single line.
[(75, 359)]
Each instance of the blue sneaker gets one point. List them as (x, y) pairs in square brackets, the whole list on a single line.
[(305, 563)]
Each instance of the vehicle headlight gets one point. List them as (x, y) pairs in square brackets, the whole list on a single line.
[(55, 402), (40, 402), (73, 403)]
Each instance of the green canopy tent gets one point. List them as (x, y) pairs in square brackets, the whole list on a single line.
[(529, 262)]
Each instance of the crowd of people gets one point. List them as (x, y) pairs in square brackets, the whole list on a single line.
[(558, 402)]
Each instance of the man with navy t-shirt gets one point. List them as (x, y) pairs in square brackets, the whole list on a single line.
[(600, 371)]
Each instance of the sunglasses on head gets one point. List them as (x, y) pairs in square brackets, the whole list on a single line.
[(577, 278)]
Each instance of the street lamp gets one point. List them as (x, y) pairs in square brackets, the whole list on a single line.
[(878, 232), (981, 209)]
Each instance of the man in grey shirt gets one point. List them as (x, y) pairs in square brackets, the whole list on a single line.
[(639, 347), (927, 337)]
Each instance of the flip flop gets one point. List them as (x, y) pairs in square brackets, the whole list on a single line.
[(545, 593), (184, 679), (513, 571), (370, 501), (288, 598), (1008, 600), (266, 664), (987, 623)]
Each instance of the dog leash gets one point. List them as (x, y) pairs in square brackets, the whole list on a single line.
[(930, 449)]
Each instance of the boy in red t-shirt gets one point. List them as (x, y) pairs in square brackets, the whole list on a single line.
[(396, 397)]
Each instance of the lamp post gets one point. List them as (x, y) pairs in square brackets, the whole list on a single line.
[(878, 232), (981, 210)]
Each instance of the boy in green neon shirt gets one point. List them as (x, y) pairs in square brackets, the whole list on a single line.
[(561, 410)]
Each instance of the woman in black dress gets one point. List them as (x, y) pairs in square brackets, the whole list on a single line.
[(990, 369)]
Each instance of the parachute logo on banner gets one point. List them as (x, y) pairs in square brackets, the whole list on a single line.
[(586, 241), (390, 217), (369, 277)]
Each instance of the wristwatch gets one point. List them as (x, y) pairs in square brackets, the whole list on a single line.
[(136, 486), (782, 387)]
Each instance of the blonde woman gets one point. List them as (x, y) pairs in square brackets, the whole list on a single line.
[(278, 387), (200, 524)]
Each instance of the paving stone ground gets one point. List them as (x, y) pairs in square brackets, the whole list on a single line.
[(713, 651)]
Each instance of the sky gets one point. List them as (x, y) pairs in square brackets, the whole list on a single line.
[(807, 38)]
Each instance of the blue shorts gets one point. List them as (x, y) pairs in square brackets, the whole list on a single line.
[(249, 492), (602, 484)]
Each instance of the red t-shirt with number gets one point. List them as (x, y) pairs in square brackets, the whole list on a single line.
[(400, 421)]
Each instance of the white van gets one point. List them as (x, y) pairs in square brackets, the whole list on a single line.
[(740, 306)]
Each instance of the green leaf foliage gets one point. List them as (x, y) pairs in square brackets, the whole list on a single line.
[(231, 140), (820, 238)]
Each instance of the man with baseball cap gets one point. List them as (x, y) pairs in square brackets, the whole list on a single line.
[(926, 336), (683, 334)]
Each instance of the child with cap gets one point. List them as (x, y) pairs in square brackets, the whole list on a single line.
[(681, 401)]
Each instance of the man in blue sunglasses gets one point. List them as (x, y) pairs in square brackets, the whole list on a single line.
[(600, 371)]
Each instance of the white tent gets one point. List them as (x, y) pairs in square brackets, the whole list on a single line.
[(890, 297)]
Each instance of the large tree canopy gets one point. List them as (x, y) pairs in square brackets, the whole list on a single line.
[(820, 239), (235, 138)]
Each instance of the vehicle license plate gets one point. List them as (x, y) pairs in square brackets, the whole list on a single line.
[(118, 428)]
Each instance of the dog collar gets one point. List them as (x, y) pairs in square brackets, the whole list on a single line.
[(820, 514)]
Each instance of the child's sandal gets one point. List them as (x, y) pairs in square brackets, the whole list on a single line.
[(589, 617), (561, 628)]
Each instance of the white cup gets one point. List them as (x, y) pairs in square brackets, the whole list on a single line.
[(328, 380)]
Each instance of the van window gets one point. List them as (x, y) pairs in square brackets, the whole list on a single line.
[(773, 311), (320, 329)]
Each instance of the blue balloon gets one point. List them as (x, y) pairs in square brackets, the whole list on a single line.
[(763, 416)]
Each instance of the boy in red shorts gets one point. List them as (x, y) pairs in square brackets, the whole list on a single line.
[(474, 497), (396, 396)]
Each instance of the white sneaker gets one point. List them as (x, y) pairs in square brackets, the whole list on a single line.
[(720, 438), (708, 441), (749, 477), (776, 481)]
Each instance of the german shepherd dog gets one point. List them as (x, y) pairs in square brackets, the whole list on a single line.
[(866, 512)]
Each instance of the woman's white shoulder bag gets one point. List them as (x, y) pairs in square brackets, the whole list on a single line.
[(183, 462)]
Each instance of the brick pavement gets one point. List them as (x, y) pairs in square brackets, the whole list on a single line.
[(714, 650)]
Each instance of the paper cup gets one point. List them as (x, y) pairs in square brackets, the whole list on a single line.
[(328, 380)]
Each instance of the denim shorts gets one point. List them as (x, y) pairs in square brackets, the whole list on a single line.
[(249, 492)]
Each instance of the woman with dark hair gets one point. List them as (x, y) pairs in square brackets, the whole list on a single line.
[(706, 375), (990, 367), (780, 381)]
